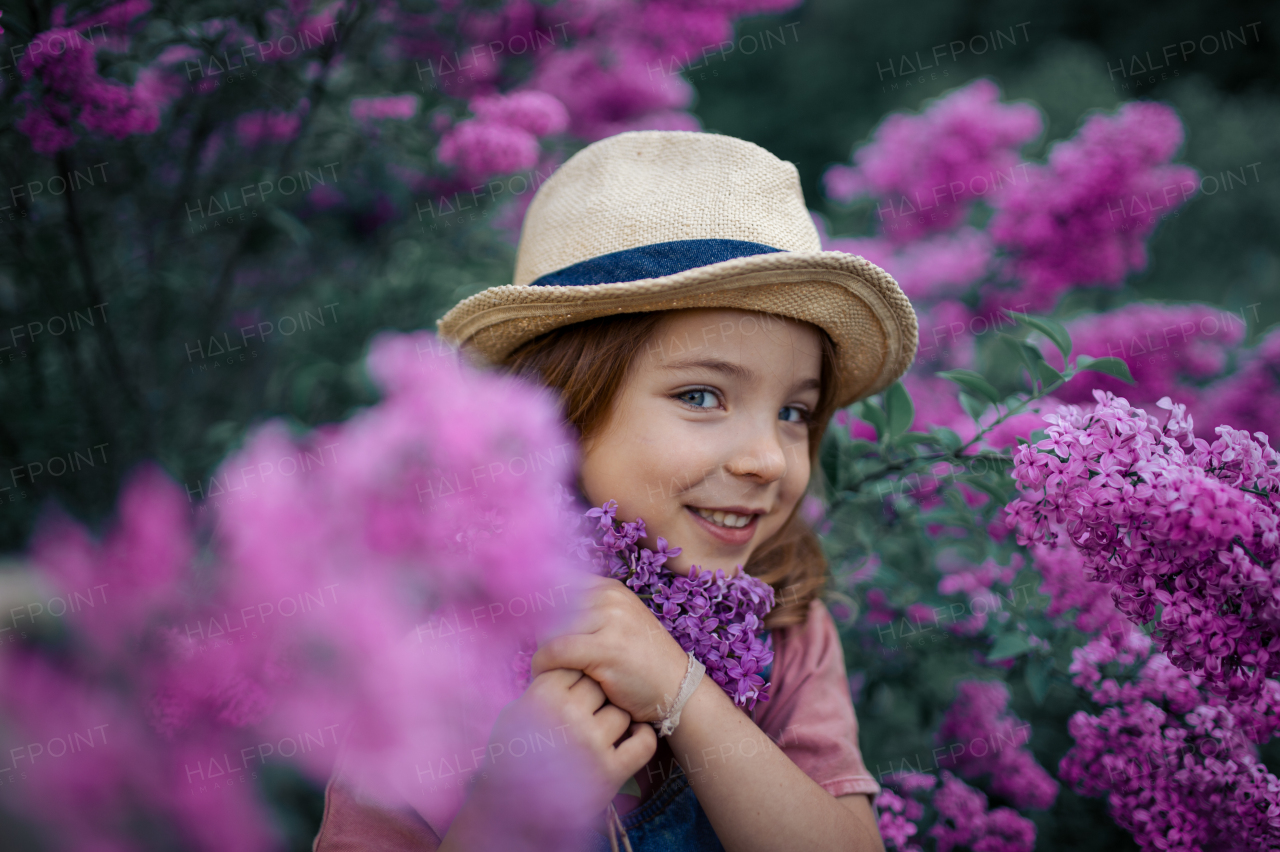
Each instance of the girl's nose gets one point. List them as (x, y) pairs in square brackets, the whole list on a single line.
[(761, 456)]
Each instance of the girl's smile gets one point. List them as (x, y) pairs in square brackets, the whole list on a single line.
[(733, 524), (710, 445)]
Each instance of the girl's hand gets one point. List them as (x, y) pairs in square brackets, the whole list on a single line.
[(570, 709), (618, 642), (546, 799)]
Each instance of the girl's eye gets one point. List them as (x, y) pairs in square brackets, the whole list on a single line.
[(793, 414), (698, 398)]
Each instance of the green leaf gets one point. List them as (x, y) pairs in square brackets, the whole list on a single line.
[(1113, 367), (1048, 375), (1009, 645), (874, 415), (1051, 329), (972, 407), (1031, 356), (1038, 671), (948, 438), (973, 383), (900, 411)]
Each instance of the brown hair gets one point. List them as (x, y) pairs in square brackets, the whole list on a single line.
[(587, 362)]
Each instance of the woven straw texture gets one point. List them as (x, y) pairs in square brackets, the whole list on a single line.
[(636, 189)]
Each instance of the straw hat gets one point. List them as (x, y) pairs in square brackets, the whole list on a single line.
[(657, 220)]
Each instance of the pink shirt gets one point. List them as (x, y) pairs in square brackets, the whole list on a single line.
[(809, 715)]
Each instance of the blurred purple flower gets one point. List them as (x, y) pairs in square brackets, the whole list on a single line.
[(1249, 398), (268, 127), (1083, 218), (480, 149), (390, 107), (532, 111), (963, 820), (1170, 350), (979, 717), (925, 169)]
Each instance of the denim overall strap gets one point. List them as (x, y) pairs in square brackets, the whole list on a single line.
[(671, 821)]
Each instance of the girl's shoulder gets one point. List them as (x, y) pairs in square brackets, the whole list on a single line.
[(800, 650), (810, 713)]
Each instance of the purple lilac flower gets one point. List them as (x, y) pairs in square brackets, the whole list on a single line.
[(535, 112), (479, 149), (64, 64), (1249, 399), (963, 820), (897, 820), (1169, 348)]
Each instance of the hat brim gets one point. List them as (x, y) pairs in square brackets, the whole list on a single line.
[(856, 302)]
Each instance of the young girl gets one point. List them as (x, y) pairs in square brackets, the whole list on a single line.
[(671, 287)]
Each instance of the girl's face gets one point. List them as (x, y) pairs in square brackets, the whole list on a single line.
[(708, 438)]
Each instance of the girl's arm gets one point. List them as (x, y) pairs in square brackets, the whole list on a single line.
[(757, 799)]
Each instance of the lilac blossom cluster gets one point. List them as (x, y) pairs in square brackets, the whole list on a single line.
[(930, 167), (64, 87), (1178, 767), (1172, 521), (503, 136), (979, 717), (1084, 217), (964, 819), (1250, 398), (714, 616)]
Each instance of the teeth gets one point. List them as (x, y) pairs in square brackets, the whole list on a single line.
[(725, 519)]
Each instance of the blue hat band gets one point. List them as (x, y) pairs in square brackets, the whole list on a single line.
[(651, 261)]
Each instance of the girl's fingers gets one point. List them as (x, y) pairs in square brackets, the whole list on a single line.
[(557, 678), (571, 651), (613, 721), (637, 749), (588, 692)]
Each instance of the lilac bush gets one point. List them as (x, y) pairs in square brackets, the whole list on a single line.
[(1147, 549)]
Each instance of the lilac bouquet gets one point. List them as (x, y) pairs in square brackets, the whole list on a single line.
[(716, 617)]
